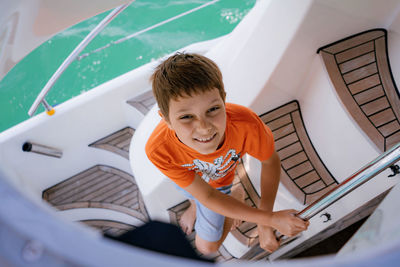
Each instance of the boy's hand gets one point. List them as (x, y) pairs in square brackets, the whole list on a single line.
[(286, 222), (267, 238)]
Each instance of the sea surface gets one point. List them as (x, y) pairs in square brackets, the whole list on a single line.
[(115, 51)]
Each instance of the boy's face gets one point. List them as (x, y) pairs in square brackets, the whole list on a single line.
[(199, 121)]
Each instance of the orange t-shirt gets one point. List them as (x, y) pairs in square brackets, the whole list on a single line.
[(245, 133)]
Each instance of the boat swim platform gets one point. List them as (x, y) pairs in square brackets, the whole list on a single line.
[(359, 69)]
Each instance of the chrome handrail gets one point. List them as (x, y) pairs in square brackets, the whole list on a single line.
[(41, 97), (366, 173)]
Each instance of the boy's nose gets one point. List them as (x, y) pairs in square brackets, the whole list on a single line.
[(204, 126)]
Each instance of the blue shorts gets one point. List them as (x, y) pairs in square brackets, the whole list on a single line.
[(209, 224)]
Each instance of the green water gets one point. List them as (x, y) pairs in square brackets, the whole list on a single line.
[(19, 88)]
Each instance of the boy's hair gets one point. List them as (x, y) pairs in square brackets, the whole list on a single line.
[(184, 74)]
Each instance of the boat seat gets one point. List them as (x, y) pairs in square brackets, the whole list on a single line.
[(359, 69), (303, 172), (99, 187), (117, 142), (143, 102)]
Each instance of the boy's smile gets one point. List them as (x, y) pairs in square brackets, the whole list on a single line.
[(199, 121)]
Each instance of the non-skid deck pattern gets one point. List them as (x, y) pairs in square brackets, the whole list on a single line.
[(144, 102), (303, 172), (99, 187), (117, 142), (107, 227), (360, 72)]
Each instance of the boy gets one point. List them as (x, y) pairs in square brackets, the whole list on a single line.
[(198, 144)]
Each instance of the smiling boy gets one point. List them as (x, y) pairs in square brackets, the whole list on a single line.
[(198, 145)]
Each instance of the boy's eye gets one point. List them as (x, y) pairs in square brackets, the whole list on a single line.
[(213, 109), (185, 117)]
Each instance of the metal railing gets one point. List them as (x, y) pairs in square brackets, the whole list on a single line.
[(74, 54), (366, 173)]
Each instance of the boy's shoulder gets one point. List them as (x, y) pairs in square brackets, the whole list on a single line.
[(158, 138), (237, 112)]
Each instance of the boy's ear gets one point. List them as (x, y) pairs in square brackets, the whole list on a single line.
[(164, 119)]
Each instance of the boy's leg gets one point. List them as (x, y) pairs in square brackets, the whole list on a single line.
[(188, 218), (208, 247), (239, 194)]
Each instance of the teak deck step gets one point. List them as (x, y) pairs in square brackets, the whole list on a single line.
[(360, 72), (303, 172), (99, 187), (143, 102), (117, 142), (107, 227)]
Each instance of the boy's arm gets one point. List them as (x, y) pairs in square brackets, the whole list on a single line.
[(228, 206), (270, 176)]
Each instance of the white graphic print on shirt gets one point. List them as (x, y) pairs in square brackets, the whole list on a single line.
[(213, 171)]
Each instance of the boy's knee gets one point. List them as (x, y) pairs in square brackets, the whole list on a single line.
[(206, 247)]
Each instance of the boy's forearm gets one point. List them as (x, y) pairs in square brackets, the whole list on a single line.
[(233, 208), (270, 176)]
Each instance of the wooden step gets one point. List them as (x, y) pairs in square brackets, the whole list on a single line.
[(303, 172), (99, 187), (143, 102), (359, 69), (118, 142)]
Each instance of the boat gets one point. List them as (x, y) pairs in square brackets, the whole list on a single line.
[(78, 170)]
